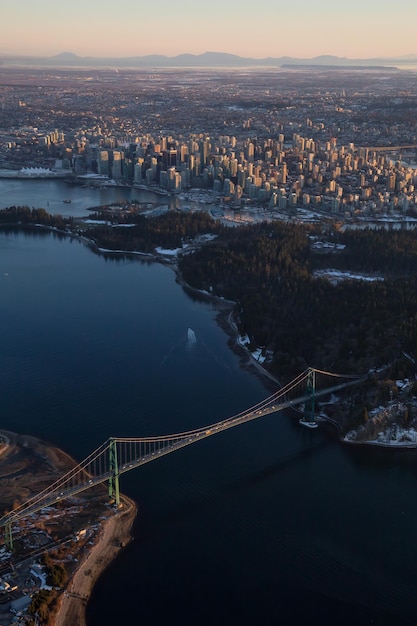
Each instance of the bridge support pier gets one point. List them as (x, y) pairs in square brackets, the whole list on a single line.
[(310, 404), (8, 536), (114, 493)]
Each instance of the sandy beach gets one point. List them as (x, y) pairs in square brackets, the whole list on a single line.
[(114, 535)]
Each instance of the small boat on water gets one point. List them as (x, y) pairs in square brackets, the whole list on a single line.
[(67, 201)]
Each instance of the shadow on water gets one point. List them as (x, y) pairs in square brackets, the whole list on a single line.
[(198, 503), (275, 468)]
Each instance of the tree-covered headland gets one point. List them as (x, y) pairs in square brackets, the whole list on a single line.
[(286, 300)]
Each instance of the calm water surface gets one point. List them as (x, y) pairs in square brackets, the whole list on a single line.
[(50, 194), (265, 524)]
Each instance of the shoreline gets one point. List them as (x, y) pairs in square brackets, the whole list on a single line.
[(226, 322), (224, 319), (113, 537), (115, 532), (111, 529)]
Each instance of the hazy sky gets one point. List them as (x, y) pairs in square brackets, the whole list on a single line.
[(256, 28)]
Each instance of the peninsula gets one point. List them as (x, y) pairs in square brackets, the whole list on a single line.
[(323, 294), (59, 555)]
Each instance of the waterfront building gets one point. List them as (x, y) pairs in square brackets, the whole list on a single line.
[(149, 177), (116, 169), (103, 163)]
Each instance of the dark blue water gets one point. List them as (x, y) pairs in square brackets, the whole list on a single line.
[(49, 194), (264, 524)]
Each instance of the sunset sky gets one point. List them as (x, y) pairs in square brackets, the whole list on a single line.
[(261, 28)]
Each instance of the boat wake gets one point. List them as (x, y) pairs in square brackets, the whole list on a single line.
[(191, 339)]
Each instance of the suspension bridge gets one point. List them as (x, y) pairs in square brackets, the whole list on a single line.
[(121, 454)]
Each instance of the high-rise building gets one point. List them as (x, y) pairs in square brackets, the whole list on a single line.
[(154, 168), (204, 150), (138, 171), (183, 153), (391, 181), (103, 163), (116, 169), (169, 158), (283, 174)]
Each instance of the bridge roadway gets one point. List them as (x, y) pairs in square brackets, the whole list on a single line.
[(166, 445)]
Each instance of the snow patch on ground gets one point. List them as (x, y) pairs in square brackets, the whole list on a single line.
[(244, 341), (382, 427), (157, 211), (205, 238), (107, 250), (167, 251), (336, 276), (394, 436), (89, 221)]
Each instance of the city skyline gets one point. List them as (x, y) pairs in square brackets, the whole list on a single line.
[(302, 30)]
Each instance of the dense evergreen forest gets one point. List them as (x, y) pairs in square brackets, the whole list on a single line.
[(170, 230), (346, 326), (269, 270), (24, 215)]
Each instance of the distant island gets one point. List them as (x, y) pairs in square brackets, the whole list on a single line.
[(317, 66), (207, 59)]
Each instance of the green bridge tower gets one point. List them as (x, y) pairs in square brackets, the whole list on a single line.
[(114, 493), (310, 404)]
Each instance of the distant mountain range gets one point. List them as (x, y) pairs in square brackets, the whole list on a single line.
[(207, 59)]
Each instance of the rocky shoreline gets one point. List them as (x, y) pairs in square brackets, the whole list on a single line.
[(37, 464), (115, 534)]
